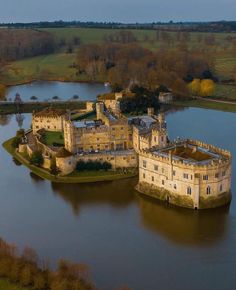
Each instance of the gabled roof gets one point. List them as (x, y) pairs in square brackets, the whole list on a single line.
[(63, 153)]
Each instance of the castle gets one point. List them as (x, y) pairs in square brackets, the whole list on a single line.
[(187, 173)]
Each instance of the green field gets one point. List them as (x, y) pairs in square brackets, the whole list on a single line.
[(53, 137), (225, 92), (59, 66), (5, 285), (48, 67)]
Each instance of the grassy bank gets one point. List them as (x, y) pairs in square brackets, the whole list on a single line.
[(5, 285), (206, 105), (11, 108), (75, 177)]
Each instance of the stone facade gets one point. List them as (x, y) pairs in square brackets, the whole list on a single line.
[(188, 173), (117, 159), (49, 119)]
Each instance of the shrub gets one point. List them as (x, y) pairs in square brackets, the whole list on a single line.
[(92, 165), (36, 158), (15, 142)]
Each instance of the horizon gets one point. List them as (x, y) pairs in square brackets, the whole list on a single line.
[(133, 11)]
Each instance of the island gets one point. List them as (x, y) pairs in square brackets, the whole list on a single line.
[(104, 144)]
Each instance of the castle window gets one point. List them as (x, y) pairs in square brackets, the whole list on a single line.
[(144, 164), (122, 128), (221, 187), (205, 177), (175, 187), (185, 175), (174, 172), (223, 173), (217, 175), (163, 182), (144, 175), (156, 167), (162, 170), (97, 139), (162, 138), (152, 178), (208, 190), (155, 139), (189, 190)]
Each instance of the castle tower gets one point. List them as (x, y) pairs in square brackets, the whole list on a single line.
[(100, 110), (150, 111)]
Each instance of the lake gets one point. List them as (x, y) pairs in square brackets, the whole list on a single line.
[(125, 239), (64, 91)]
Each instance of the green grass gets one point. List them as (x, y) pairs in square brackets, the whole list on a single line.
[(206, 105), (48, 67), (225, 92), (58, 66), (75, 177), (5, 285), (53, 137)]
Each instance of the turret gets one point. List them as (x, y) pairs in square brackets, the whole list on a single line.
[(100, 109), (150, 111)]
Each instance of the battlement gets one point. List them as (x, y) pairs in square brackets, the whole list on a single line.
[(189, 153)]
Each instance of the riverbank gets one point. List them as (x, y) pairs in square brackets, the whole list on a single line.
[(5, 285), (29, 107), (207, 104), (75, 177)]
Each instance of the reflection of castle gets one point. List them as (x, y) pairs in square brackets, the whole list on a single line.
[(182, 226), (117, 194)]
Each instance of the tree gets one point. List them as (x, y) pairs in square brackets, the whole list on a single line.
[(26, 276), (195, 87), (207, 88), (15, 142), (39, 281), (2, 91), (37, 158)]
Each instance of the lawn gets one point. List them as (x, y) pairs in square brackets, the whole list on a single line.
[(225, 92), (48, 67), (53, 137), (5, 285)]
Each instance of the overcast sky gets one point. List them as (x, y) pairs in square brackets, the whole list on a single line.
[(118, 11)]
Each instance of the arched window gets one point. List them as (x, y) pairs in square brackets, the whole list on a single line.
[(189, 190), (208, 190)]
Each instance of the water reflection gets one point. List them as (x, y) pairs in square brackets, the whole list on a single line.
[(118, 194), (35, 178), (5, 120), (183, 226)]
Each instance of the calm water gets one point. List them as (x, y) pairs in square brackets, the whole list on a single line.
[(64, 91), (124, 238)]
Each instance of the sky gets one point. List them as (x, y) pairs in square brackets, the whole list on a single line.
[(127, 11)]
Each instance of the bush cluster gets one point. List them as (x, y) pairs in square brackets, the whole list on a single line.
[(26, 270), (92, 165)]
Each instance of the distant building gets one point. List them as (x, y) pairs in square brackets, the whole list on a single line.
[(165, 98)]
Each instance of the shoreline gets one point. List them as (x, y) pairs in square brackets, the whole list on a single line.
[(46, 175)]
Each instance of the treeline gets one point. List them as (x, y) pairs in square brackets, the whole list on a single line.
[(126, 65), (18, 44), (26, 270), (217, 26), (141, 99)]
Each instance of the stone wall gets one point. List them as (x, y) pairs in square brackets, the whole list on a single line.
[(198, 182)]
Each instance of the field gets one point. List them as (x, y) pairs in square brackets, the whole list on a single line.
[(59, 66), (5, 285)]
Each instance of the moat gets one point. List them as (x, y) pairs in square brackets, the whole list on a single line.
[(124, 238)]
